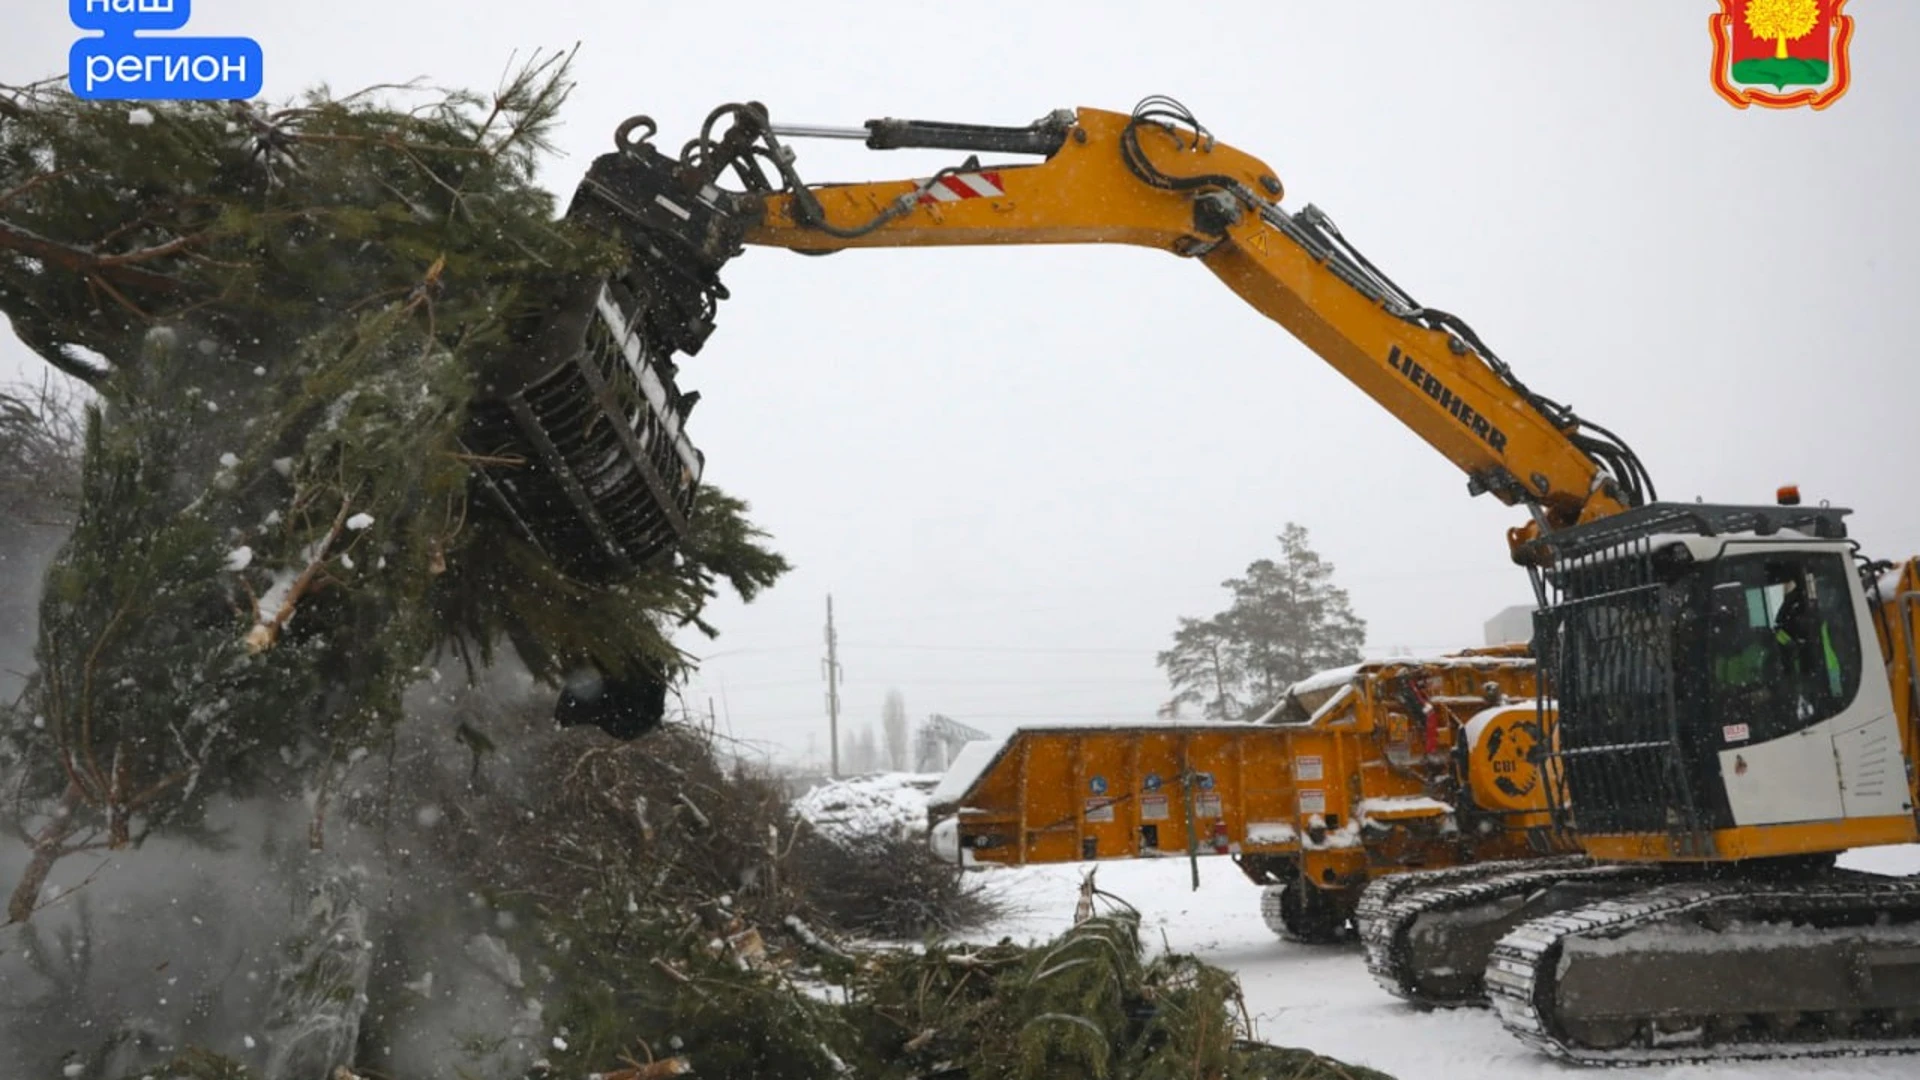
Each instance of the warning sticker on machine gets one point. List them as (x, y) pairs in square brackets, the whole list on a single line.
[(1735, 732), (1313, 801), (1099, 810), (1307, 768), (1153, 808), (1206, 804)]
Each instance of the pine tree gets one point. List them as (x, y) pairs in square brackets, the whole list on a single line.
[(1205, 669), (1287, 621), (1290, 620)]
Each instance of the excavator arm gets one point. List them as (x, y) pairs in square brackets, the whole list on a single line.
[(1155, 178)]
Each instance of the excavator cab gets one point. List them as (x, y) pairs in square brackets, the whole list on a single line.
[(1707, 663)]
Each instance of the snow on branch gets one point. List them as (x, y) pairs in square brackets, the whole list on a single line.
[(273, 611)]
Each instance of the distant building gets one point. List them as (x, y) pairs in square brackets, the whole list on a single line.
[(1514, 626), (940, 740)]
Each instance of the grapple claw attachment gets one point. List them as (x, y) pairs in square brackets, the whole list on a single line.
[(584, 429)]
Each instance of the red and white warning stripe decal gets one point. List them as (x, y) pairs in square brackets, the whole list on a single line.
[(972, 185)]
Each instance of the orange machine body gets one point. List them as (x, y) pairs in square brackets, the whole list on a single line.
[(1366, 771)]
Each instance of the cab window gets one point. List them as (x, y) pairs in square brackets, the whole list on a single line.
[(1783, 650)]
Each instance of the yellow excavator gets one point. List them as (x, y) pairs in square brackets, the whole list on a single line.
[(1728, 692)]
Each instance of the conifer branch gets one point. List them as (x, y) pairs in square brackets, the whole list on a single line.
[(99, 282), (32, 182), (88, 670), (48, 847), (148, 254), (33, 333), (80, 260), (268, 625)]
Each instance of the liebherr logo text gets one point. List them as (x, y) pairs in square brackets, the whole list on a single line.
[(1437, 390), (120, 65)]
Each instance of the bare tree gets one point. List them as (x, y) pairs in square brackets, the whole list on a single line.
[(893, 730), (42, 429)]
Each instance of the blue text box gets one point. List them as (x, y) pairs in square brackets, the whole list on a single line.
[(126, 16), (165, 69)]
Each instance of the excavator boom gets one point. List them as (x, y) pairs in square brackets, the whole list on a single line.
[(1151, 178), (1155, 179)]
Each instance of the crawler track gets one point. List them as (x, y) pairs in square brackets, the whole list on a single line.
[(1272, 914), (1718, 970), (1321, 922), (1392, 908)]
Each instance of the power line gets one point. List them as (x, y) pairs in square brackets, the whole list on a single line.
[(1141, 716), (1144, 716), (914, 680), (1366, 650), (1007, 649), (922, 615), (755, 649)]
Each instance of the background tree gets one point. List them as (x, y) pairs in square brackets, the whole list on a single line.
[(1290, 620), (1286, 622), (861, 753), (1205, 669), (894, 736), (40, 444)]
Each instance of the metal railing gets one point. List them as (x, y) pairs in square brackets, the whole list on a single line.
[(1607, 647)]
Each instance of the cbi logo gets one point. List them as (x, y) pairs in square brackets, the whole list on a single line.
[(1781, 54)]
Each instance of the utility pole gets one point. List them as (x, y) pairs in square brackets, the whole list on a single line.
[(832, 664)]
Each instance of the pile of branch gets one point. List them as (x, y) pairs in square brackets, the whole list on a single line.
[(669, 924), (663, 825), (885, 887), (1090, 1004), (691, 922)]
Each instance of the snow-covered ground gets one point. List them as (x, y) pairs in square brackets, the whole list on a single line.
[(1323, 998)]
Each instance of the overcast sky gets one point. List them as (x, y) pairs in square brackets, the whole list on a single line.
[(1015, 469)]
